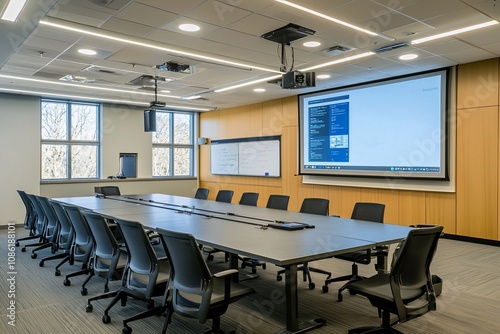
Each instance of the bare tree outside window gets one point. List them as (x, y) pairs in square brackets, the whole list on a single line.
[(70, 140), (173, 144)]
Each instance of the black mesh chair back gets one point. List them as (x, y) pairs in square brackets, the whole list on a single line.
[(30, 217), (224, 196), (407, 290), (201, 193), (279, 202), (373, 212), (66, 231), (83, 241), (108, 191), (107, 253), (315, 206), (66, 235), (249, 198), (41, 220), (195, 291), (143, 265), (52, 227)]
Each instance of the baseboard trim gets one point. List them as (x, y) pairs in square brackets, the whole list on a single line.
[(472, 239)]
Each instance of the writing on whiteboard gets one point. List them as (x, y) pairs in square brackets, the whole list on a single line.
[(256, 156)]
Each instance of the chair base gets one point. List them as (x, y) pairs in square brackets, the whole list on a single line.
[(374, 329), (306, 274)]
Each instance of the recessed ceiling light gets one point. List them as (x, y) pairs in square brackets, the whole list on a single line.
[(259, 90), (323, 76), (408, 56), (87, 52), (189, 27), (312, 44)]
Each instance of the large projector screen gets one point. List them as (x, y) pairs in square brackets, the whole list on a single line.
[(392, 128)]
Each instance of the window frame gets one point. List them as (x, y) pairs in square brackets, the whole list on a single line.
[(69, 142), (171, 145)]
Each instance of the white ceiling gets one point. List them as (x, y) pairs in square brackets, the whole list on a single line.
[(230, 30)]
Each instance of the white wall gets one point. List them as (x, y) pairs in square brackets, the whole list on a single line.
[(19, 153), (123, 132)]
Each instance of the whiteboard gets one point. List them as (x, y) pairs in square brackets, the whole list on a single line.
[(255, 156)]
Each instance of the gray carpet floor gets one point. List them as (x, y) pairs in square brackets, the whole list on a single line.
[(470, 302)]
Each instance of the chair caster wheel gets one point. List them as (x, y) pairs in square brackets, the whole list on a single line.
[(23, 249), (312, 286), (151, 305), (41, 263), (340, 297), (254, 271), (243, 265), (210, 258), (34, 255), (57, 272), (67, 282), (126, 330), (83, 291), (264, 266), (53, 250), (17, 243), (106, 289), (279, 278), (351, 292), (324, 288), (89, 308), (106, 319)]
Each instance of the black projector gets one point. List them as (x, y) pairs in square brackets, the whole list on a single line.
[(296, 79)]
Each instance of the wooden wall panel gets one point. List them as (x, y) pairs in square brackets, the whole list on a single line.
[(477, 174), (411, 208), (350, 195), (440, 209), (477, 84)]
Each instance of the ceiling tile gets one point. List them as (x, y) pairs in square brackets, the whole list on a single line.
[(145, 15), (127, 27)]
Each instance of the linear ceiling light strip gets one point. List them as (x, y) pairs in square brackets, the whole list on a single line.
[(332, 19)]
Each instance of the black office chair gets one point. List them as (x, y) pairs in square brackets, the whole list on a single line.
[(63, 237), (372, 212), (279, 202), (146, 275), (108, 259), (225, 196), (29, 218), (107, 191), (201, 193), (51, 229), (82, 246), (315, 206), (66, 235), (406, 291), (194, 291), (40, 224), (249, 198)]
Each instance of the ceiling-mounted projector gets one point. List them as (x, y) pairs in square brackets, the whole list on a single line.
[(296, 79), (159, 104)]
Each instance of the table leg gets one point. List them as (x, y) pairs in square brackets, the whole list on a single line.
[(292, 303)]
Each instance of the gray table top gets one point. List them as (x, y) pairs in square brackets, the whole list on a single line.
[(240, 231)]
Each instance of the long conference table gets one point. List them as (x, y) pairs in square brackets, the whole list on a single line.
[(245, 230)]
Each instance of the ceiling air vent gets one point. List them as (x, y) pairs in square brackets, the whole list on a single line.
[(391, 47), (336, 50)]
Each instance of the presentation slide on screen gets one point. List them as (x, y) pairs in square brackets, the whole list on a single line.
[(390, 126)]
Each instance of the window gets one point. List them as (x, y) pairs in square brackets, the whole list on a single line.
[(173, 144), (70, 140)]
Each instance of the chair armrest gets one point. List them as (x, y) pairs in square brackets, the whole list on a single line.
[(225, 273)]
